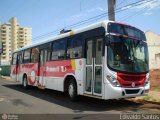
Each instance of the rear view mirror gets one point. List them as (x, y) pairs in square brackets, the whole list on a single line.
[(107, 40)]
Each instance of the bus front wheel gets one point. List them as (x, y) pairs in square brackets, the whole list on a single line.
[(72, 90)]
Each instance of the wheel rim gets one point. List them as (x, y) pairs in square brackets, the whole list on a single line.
[(71, 90)]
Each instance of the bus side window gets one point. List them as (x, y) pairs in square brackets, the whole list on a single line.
[(20, 58), (35, 55), (74, 47), (48, 55), (14, 58), (69, 48), (58, 49), (26, 56)]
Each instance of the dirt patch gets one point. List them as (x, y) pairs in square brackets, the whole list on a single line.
[(155, 79), (154, 93)]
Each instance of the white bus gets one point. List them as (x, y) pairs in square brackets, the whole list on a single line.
[(106, 60)]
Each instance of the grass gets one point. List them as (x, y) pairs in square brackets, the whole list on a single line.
[(157, 88), (147, 98)]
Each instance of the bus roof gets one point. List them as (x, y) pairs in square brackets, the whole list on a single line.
[(72, 32)]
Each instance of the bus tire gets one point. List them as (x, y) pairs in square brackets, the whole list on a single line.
[(72, 90), (25, 82)]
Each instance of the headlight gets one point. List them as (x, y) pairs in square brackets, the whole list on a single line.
[(147, 80), (113, 81)]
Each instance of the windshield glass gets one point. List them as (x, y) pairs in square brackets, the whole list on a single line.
[(127, 55), (126, 30)]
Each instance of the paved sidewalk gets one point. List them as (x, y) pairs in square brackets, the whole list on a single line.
[(5, 77)]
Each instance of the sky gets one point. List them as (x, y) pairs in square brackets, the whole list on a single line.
[(45, 17)]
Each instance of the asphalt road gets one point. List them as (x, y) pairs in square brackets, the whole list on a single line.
[(14, 99)]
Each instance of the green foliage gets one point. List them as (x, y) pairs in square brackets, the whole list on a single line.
[(147, 98), (5, 70), (157, 88)]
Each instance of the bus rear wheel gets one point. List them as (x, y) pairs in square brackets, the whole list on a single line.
[(72, 90), (25, 82)]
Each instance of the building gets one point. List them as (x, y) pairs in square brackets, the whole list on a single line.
[(13, 36), (153, 41)]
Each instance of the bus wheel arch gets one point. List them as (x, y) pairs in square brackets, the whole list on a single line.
[(70, 87)]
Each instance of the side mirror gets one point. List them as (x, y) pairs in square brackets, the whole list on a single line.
[(107, 40)]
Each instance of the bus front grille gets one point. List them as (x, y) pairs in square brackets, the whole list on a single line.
[(133, 91)]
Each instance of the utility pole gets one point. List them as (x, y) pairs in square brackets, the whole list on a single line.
[(111, 9)]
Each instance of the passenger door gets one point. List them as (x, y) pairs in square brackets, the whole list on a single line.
[(93, 81), (18, 67), (43, 59)]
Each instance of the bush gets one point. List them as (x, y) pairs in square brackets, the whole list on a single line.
[(5, 70)]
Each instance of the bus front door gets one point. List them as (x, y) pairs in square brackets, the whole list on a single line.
[(93, 81), (18, 63), (43, 59)]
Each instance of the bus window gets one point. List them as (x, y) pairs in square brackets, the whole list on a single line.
[(14, 59), (26, 57), (19, 58), (58, 49), (47, 47), (126, 30), (74, 47), (35, 55), (48, 55), (99, 48)]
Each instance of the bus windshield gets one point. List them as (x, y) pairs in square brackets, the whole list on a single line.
[(127, 55), (126, 30)]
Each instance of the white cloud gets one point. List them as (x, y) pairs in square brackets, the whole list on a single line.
[(77, 16), (150, 5), (101, 9), (148, 13), (145, 6), (85, 13), (96, 9)]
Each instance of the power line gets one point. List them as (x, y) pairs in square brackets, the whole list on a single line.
[(136, 14), (129, 15), (118, 4), (96, 17)]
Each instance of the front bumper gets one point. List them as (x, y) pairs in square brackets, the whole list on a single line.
[(112, 92)]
